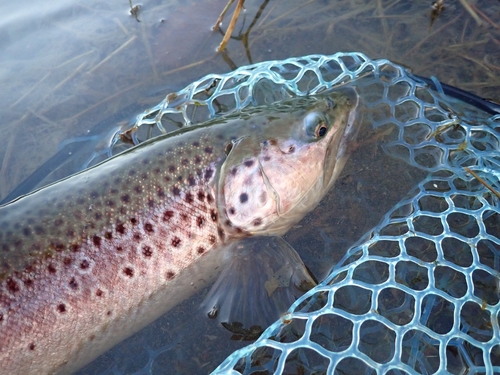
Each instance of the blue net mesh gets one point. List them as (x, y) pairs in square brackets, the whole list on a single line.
[(418, 294)]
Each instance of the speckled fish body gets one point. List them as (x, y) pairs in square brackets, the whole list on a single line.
[(89, 260)]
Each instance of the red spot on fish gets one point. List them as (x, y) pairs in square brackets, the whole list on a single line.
[(125, 198), (128, 271), (169, 275), (108, 235), (73, 284), (201, 195), (189, 198), (84, 264), (172, 168), (51, 268), (28, 282), (184, 216), (133, 221), (257, 222), (148, 227), (212, 239), (197, 159), (200, 250), (67, 261), (176, 241), (119, 248), (61, 308), (137, 236), (99, 293), (210, 199), (31, 346), (138, 189)]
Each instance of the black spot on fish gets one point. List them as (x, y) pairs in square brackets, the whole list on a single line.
[(133, 221), (138, 189), (120, 228), (39, 230), (5, 248), (291, 149), (232, 211), (201, 195), (200, 221), (212, 239), (210, 199), (98, 216), (84, 264), (113, 191), (167, 178), (131, 172), (108, 313), (119, 249), (248, 163), (67, 261), (148, 227), (179, 178), (172, 168), (208, 150), (30, 221), (97, 241), (267, 158), (196, 144), (176, 241), (189, 198), (94, 195), (243, 197), (99, 293), (27, 231), (125, 198), (191, 180), (80, 201), (220, 232), (209, 173), (74, 247), (228, 148), (167, 215), (169, 275), (73, 284), (157, 170), (110, 203), (160, 192), (12, 285), (185, 162), (151, 203), (176, 190), (118, 181), (31, 346), (145, 161), (61, 308), (257, 222), (147, 251), (128, 271), (197, 159), (213, 215), (108, 235), (233, 171), (137, 236), (58, 246)]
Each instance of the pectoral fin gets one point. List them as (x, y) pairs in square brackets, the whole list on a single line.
[(261, 279)]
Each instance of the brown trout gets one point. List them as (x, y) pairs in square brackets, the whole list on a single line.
[(89, 260)]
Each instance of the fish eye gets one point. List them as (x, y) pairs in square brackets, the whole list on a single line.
[(316, 125)]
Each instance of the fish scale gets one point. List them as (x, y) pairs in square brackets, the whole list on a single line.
[(93, 258)]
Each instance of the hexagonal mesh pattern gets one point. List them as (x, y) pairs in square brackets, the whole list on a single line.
[(419, 294)]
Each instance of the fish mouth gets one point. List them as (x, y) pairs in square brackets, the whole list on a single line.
[(338, 152)]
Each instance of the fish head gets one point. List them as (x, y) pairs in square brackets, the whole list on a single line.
[(273, 177)]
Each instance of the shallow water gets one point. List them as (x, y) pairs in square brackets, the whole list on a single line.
[(70, 69)]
